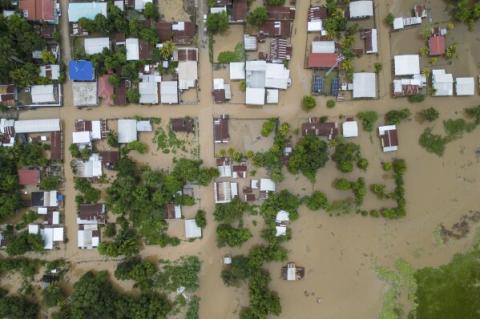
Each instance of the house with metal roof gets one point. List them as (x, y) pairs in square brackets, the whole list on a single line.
[(81, 70), (78, 10)]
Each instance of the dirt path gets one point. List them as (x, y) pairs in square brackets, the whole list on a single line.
[(337, 252)]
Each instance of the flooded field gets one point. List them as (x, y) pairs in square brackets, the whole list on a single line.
[(338, 253)]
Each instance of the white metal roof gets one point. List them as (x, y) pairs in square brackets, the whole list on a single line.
[(228, 91), (133, 49), (276, 76), (50, 199), (96, 130), (222, 191), (58, 234), (37, 126), (218, 84), (47, 235), (192, 230), (266, 184), (42, 93), (144, 126), (249, 42), (280, 230), (256, 65), (374, 42), (350, 129), (83, 137), (408, 64), (398, 23), (148, 92), (56, 218), (364, 85), (314, 26), (465, 86), (361, 9), (169, 92), (89, 10), (53, 68), (85, 239), (237, 70), (140, 4), (92, 167), (272, 96), (96, 45), (323, 47), (442, 83), (127, 130), (187, 74), (214, 10), (33, 229), (255, 96), (120, 4), (84, 93), (282, 216)]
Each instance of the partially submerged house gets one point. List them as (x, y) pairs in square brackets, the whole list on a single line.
[(407, 64), (225, 191), (127, 130), (173, 211), (292, 272), (184, 124), (220, 129), (316, 16), (436, 44), (350, 128), (465, 86), (45, 199), (442, 83), (78, 10), (96, 45), (362, 9), (281, 221), (89, 217), (364, 85), (408, 79), (28, 177), (261, 76), (192, 230), (388, 137), (169, 92), (315, 127), (91, 168), (39, 10)]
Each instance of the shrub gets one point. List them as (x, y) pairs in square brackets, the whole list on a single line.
[(268, 127), (316, 201), (342, 184), (378, 67), (368, 119), (308, 103), (110, 230), (417, 98), (243, 85), (258, 16), (331, 104), (389, 19), (379, 190), (387, 166), (50, 182), (433, 143), (430, 114), (133, 96), (362, 163), (201, 219), (228, 235), (217, 23), (395, 117)]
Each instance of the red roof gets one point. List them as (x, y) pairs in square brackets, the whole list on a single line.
[(322, 60), (38, 10), (436, 44), (105, 89), (28, 176)]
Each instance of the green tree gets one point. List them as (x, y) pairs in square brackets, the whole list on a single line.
[(24, 242), (258, 16), (389, 19), (166, 51), (217, 23), (316, 201), (150, 11), (53, 295), (275, 2), (395, 117), (182, 272), (417, 98), (228, 235), (331, 104), (49, 182), (230, 212), (240, 269), (17, 307), (430, 114), (345, 155), (268, 126), (309, 154), (133, 96), (112, 139), (378, 67), (308, 103), (201, 219), (368, 119)]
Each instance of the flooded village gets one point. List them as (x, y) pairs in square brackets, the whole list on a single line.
[(235, 158)]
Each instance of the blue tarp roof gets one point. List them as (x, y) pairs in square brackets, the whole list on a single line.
[(81, 70)]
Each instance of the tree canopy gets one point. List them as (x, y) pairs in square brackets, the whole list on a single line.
[(258, 16), (309, 154), (217, 22)]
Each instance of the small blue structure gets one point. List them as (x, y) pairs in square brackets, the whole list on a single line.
[(81, 70)]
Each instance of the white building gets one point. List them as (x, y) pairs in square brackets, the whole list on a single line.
[(140, 4), (96, 45), (408, 64), (127, 130), (255, 96), (91, 168), (43, 94), (133, 49), (148, 90), (88, 236), (323, 46), (361, 9), (192, 230), (78, 10), (187, 74), (465, 86), (237, 71), (225, 191), (350, 129), (84, 93), (364, 85), (169, 92), (37, 126), (442, 83)]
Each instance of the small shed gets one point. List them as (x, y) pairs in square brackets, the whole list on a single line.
[(237, 70), (133, 49), (465, 86), (255, 96), (350, 129)]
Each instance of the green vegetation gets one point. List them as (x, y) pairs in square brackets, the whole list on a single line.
[(368, 119), (430, 114), (110, 230), (227, 235), (17, 307), (9, 189), (83, 154), (88, 194), (138, 146), (23, 242), (53, 295), (150, 11), (236, 56), (201, 218), (133, 95), (451, 290), (258, 16), (379, 191), (308, 103), (417, 98), (389, 19), (25, 266), (126, 243), (345, 155), (309, 154), (167, 141), (49, 182), (230, 212), (454, 129), (112, 139), (138, 270), (465, 11), (395, 117), (331, 104), (358, 188), (316, 201), (378, 67), (336, 21), (193, 308), (18, 42), (269, 126), (402, 284), (275, 2), (217, 23), (182, 272), (141, 194)]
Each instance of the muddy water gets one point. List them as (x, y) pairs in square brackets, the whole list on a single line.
[(336, 251)]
